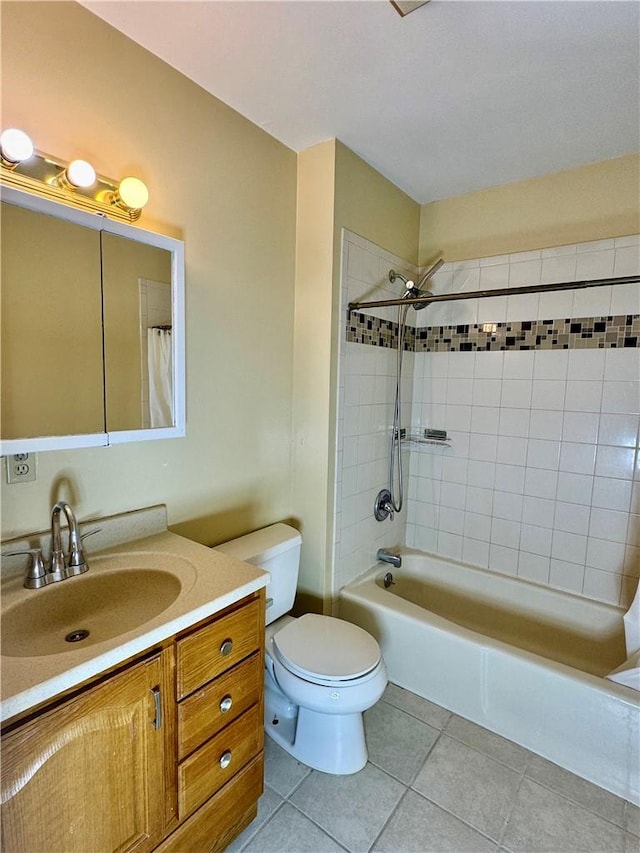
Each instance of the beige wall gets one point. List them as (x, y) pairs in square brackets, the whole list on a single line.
[(577, 205), (229, 189), (312, 452), (336, 190)]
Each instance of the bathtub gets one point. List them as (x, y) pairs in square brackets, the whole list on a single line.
[(523, 660)]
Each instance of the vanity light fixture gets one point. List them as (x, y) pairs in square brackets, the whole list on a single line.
[(75, 183)]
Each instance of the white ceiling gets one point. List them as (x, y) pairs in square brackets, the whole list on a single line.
[(459, 95)]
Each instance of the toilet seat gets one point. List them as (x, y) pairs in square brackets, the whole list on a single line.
[(325, 650)]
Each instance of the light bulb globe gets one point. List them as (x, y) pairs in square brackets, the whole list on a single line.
[(15, 145), (133, 193), (81, 174)]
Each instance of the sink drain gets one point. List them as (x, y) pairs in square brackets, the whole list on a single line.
[(76, 636)]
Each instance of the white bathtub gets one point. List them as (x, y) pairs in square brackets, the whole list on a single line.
[(520, 659)]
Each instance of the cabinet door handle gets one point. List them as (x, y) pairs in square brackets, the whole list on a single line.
[(225, 704), (227, 647), (225, 759), (157, 703)]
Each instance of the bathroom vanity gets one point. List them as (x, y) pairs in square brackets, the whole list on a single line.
[(148, 740)]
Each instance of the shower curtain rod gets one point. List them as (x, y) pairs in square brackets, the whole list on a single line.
[(504, 291)]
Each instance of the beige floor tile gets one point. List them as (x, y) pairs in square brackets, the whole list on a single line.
[(418, 707), (353, 809), (419, 826), (584, 793), (397, 742), (469, 784), (491, 744), (545, 822), (289, 831)]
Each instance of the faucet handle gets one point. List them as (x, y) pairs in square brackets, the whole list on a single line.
[(77, 562), (35, 576)]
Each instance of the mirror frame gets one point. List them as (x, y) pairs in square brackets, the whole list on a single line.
[(101, 223)]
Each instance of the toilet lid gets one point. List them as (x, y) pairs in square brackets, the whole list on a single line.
[(325, 647)]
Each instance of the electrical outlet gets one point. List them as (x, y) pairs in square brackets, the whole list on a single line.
[(21, 467)]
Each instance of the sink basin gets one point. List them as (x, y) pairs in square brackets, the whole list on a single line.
[(89, 609)]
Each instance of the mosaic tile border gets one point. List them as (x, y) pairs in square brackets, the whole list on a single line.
[(607, 332)]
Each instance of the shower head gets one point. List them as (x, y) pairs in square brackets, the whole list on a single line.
[(431, 271), (412, 291)]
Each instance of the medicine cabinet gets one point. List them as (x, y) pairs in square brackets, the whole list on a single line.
[(92, 329)]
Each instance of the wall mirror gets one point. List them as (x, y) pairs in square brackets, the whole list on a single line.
[(92, 329)]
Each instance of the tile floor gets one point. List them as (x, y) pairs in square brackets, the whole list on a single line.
[(435, 782)]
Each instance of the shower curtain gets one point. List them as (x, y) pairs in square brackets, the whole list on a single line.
[(160, 361)]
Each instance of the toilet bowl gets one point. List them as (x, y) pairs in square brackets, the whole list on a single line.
[(321, 673)]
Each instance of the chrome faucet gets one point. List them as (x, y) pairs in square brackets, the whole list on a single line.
[(74, 564), (62, 565), (387, 557)]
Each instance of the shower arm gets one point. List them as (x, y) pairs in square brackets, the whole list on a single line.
[(502, 291)]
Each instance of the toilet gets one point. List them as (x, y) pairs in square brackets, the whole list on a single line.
[(321, 673)]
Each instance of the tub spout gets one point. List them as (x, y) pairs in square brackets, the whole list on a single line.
[(387, 557)]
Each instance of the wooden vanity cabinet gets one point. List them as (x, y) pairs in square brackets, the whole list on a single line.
[(88, 775), (165, 755)]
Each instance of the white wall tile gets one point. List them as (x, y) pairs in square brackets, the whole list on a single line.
[(559, 269), (580, 427), (475, 552), (566, 575), (572, 518), (538, 511), (574, 488), (606, 555), (548, 424), (608, 524), (477, 526), (577, 458), (582, 396), (622, 364), (569, 547), (542, 453), (625, 299), (627, 261), (533, 567), (612, 494), (621, 397), (514, 422), (621, 430), (536, 540), (504, 560), (614, 462), (603, 586)]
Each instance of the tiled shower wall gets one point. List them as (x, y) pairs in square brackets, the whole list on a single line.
[(366, 380), (542, 476)]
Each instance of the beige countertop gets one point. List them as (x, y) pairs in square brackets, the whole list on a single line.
[(209, 582)]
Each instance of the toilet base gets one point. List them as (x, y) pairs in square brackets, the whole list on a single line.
[(332, 743)]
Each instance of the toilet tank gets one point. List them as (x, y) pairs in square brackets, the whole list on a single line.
[(276, 549)]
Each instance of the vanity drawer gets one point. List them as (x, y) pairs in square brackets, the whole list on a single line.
[(222, 817), (217, 647), (218, 703), (208, 769)]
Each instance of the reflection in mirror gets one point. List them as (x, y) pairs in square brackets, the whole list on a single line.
[(137, 298), (92, 329), (51, 326)]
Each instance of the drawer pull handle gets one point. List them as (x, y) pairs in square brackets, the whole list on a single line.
[(227, 647), (225, 759), (157, 706), (225, 704)]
